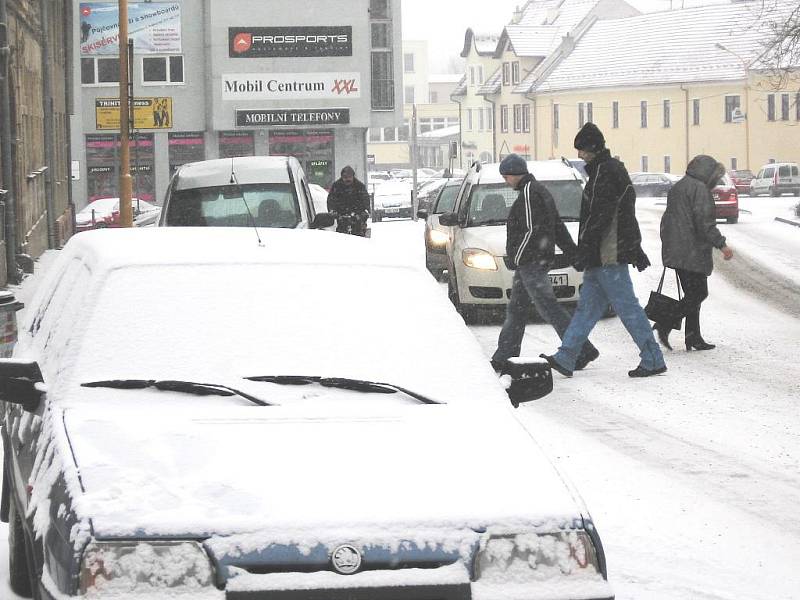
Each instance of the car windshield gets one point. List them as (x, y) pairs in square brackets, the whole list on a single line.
[(489, 204), (271, 205), (742, 173), (447, 199)]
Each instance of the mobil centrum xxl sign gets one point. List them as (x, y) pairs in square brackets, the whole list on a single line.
[(282, 86)]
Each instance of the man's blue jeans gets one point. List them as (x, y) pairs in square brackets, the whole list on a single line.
[(602, 286), (530, 285)]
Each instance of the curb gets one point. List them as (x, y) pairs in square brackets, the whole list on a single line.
[(788, 221)]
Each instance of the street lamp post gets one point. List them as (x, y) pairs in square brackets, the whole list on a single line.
[(125, 182), (746, 68)]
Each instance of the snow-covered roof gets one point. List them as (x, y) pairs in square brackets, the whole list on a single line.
[(689, 45), (539, 40), (536, 12), (461, 87), (445, 78), (492, 83), (442, 132), (484, 44)]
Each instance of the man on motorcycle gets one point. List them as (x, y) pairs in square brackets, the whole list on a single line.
[(348, 196)]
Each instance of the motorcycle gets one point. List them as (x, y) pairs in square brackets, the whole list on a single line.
[(353, 224)]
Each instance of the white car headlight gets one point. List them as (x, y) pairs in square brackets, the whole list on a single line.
[(437, 238), (479, 259), (144, 568), (536, 556)]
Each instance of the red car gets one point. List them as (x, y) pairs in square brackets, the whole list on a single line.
[(105, 213), (741, 179), (726, 199)]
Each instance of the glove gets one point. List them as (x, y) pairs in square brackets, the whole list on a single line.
[(642, 262), (579, 261)]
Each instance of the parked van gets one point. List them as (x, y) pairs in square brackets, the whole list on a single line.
[(776, 179)]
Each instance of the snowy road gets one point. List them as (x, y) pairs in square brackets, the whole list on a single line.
[(691, 477)]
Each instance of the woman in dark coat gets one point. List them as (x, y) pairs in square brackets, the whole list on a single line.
[(688, 234)]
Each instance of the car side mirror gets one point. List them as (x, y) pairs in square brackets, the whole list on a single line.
[(322, 220), (531, 379), (448, 219), (422, 213), (18, 383)]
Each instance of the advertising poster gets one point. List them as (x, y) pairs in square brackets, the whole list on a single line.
[(148, 113), (154, 26), (280, 42)]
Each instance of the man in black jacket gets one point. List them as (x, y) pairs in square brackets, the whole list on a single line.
[(533, 229), (608, 241), (348, 195)]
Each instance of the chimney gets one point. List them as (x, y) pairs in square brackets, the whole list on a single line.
[(517, 17)]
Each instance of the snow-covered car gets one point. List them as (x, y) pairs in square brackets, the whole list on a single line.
[(436, 235), (242, 447), (391, 199), (268, 191), (478, 274), (104, 212)]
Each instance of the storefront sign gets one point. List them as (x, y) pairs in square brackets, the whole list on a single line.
[(155, 27), (293, 117), (280, 86), (148, 113), (272, 42)]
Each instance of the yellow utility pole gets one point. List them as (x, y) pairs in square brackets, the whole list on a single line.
[(125, 182)]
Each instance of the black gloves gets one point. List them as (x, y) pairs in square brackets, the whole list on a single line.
[(642, 262)]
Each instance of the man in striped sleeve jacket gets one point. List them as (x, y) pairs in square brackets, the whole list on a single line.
[(533, 229)]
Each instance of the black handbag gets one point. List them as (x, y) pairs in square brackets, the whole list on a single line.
[(662, 309)]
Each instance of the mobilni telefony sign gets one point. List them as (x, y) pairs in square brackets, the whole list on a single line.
[(291, 116), (278, 86), (271, 42)]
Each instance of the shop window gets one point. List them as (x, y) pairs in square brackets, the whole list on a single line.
[(402, 132), (314, 148), (236, 143), (185, 147), (389, 134)]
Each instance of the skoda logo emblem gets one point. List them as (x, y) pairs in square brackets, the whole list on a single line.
[(346, 559)]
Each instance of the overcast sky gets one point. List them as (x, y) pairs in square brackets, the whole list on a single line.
[(443, 22)]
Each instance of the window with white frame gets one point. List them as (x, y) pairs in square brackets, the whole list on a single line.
[(489, 119), (667, 164), (526, 118), (667, 114), (99, 71), (162, 70), (732, 103), (469, 119), (506, 73), (784, 107), (644, 163), (480, 120), (517, 118), (504, 118), (770, 107), (515, 72), (381, 55), (643, 109), (734, 163), (589, 113)]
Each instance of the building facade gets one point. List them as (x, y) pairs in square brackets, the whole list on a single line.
[(428, 93), (34, 105), (216, 80)]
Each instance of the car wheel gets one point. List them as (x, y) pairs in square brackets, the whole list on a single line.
[(773, 192), (467, 312), (19, 574), (733, 219)]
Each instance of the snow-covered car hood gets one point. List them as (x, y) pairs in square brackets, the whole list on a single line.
[(493, 237), (237, 469)]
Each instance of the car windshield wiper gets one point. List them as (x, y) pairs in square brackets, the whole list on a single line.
[(358, 385), (187, 387)]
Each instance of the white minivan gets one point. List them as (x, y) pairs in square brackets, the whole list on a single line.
[(775, 179)]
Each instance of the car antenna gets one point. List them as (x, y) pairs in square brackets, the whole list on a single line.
[(235, 182)]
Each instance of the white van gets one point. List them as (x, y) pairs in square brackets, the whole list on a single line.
[(775, 179)]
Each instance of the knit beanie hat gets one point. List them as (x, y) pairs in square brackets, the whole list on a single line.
[(513, 164), (590, 138)]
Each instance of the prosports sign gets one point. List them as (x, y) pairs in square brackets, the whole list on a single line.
[(281, 42)]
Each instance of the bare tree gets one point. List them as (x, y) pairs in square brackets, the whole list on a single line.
[(781, 55)]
